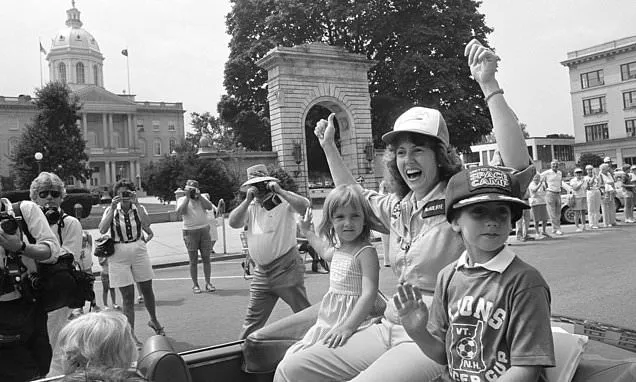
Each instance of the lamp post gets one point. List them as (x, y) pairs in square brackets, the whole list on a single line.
[(38, 158)]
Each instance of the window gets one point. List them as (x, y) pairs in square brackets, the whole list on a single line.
[(564, 152), (157, 147), (630, 127), (156, 125), (142, 147), (629, 99), (596, 132), (594, 106), (628, 71), (591, 79), (79, 68), (91, 140), (61, 68), (171, 126), (96, 75), (116, 139), (530, 152), (13, 144), (173, 144)]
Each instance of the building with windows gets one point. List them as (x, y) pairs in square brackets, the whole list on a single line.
[(603, 91), (541, 150), (122, 135)]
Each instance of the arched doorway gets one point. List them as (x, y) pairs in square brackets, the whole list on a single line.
[(307, 83)]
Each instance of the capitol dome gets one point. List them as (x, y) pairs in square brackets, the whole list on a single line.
[(74, 55)]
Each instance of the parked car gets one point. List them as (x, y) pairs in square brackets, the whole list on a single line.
[(567, 214)]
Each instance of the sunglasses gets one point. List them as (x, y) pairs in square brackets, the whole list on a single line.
[(45, 194)]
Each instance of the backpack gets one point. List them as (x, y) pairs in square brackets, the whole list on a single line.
[(59, 284)]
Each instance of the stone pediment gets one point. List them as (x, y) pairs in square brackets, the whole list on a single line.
[(100, 96)]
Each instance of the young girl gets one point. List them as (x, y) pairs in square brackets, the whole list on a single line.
[(352, 298), (579, 187), (538, 206)]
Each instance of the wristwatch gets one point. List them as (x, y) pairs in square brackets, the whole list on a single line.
[(22, 248)]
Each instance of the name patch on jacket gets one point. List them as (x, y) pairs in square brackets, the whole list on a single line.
[(433, 208)]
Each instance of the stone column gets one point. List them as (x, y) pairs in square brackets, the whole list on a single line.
[(113, 169), (111, 130), (107, 178), (105, 131), (85, 126), (131, 132)]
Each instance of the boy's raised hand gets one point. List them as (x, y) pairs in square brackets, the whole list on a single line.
[(325, 131), (412, 310), (304, 223)]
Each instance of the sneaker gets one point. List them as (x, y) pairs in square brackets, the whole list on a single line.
[(579, 230), (116, 307), (539, 237), (558, 233), (140, 300), (545, 235), (594, 227), (629, 221)]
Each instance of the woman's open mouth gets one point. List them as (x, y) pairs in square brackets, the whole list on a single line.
[(412, 174)]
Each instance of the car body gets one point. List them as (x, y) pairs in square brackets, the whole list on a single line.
[(567, 214)]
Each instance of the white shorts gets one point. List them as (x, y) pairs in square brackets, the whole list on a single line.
[(129, 264)]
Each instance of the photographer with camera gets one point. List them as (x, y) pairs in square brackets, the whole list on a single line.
[(193, 209), (129, 227), (47, 191), (25, 351), (268, 212)]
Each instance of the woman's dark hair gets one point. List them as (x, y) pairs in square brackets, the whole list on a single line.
[(123, 183), (448, 161)]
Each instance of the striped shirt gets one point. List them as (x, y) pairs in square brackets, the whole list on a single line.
[(125, 227)]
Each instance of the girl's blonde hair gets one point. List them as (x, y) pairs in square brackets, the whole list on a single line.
[(347, 195), (97, 339), (447, 159)]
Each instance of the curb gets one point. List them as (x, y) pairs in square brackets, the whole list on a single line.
[(229, 256)]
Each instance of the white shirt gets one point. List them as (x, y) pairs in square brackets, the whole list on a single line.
[(270, 234), (194, 216), (553, 179)]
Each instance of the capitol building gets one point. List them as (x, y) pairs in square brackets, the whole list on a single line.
[(122, 134)]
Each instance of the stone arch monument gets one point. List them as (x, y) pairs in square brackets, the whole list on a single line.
[(304, 76)]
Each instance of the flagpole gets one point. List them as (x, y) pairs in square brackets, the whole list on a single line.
[(128, 71), (40, 54)]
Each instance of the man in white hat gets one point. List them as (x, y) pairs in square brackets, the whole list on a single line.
[(268, 215), (554, 181)]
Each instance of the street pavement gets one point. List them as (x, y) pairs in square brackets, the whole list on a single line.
[(590, 275)]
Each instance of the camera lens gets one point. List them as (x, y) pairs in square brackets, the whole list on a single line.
[(9, 225)]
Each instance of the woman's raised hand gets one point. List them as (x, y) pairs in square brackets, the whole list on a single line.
[(325, 131), (482, 62)]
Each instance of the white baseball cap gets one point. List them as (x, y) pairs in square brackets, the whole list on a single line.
[(420, 120), (607, 160)]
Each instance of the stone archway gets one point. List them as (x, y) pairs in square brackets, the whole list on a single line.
[(304, 76)]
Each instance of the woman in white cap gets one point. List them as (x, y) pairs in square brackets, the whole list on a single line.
[(628, 192), (419, 161), (579, 189), (593, 196)]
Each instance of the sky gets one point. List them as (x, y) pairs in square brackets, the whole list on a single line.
[(177, 49)]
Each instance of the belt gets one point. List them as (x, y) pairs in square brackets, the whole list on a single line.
[(126, 242)]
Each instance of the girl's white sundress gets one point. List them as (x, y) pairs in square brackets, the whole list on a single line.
[(345, 288)]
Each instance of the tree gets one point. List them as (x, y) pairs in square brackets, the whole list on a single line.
[(54, 133), (587, 158), (163, 177), (206, 125), (418, 46)]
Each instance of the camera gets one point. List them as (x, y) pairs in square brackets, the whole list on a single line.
[(127, 194), (8, 223), (270, 201), (52, 214), (193, 193), (11, 274)]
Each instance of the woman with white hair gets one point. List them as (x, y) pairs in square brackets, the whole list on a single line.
[(608, 194), (593, 196), (97, 339)]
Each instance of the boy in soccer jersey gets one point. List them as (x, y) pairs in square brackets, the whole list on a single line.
[(490, 315)]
